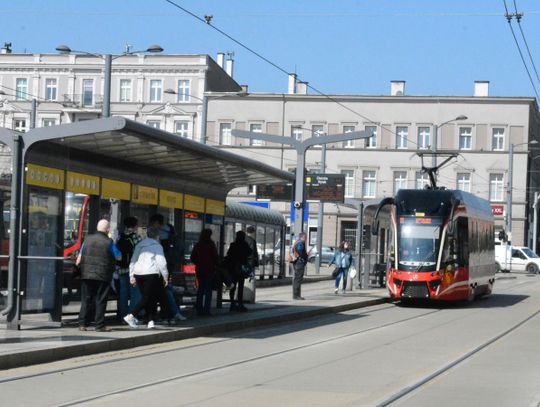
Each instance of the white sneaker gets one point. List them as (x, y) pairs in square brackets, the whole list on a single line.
[(151, 325), (131, 320), (179, 317), (336, 291)]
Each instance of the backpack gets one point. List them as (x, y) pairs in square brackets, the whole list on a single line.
[(126, 244)]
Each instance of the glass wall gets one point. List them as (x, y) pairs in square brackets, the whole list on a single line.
[(193, 226)]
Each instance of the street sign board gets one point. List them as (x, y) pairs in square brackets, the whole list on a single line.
[(275, 192), (497, 210), (325, 187)]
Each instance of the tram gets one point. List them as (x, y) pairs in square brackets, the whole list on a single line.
[(439, 244)]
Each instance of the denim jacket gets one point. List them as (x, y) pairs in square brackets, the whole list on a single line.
[(349, 260)]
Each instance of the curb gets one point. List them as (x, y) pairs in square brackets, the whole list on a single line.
[(38, 356), (288, 281)]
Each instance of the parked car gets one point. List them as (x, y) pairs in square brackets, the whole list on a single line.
[(327, 254), (515, 258)]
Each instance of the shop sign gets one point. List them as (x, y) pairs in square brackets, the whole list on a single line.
[(214, 207), (194, 203), (82, 183), (111, 189), (44, 176), (497, 210), (144, 195), (169, 199)]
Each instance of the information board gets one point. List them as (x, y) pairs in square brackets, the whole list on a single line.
[(275, 192), (325, 187)]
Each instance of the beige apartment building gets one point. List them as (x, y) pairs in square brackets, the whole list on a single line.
[(197, 97)]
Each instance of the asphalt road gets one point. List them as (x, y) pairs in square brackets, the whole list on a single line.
[(479, 354)]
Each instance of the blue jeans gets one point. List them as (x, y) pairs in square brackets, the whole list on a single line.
[(342, 272), (128, 297), (204, 292), (173, 308)]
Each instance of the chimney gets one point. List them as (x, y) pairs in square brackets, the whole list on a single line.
[(481, 88), (230, 63), (6, 49), (220, 59), (397, 88), (292, 84), (244, 88), (302, 88)]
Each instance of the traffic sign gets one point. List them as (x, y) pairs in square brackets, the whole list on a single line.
[(325, 187)]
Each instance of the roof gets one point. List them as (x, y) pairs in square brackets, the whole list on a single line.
[(134, 152), (235, 210)]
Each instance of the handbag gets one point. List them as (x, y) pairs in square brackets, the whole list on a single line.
[(335, 272), (352, 272)]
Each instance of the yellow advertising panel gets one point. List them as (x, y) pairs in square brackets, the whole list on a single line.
[(111, 189), (144, 195), (214, 207), (82, 183), (194, 203), (169, 199), (44, 177)]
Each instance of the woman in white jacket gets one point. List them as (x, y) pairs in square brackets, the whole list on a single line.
[(148, 270)]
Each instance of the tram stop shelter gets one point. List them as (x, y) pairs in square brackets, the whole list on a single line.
[(65, 178)]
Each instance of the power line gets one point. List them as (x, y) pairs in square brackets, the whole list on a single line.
[(509, 17), (518, 19)]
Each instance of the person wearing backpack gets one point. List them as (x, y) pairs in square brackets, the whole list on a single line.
[(128, 296)]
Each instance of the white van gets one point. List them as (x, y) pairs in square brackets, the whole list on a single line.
[(514, 258)]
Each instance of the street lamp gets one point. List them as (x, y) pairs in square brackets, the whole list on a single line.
[(435, 130), (108, 58), (510, 183)]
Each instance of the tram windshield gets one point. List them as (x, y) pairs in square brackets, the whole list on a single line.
[(419, 243)]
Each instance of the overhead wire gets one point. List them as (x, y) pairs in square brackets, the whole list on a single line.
[(518, 19)]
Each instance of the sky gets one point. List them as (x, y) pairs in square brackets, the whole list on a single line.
[(338, 46)]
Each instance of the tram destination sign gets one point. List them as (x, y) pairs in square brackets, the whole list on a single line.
[(325, 187), (275, 192)]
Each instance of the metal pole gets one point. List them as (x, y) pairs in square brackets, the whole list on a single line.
[(359, 241), (299, 199), (509, 192), (320, 217), (535, 222), (33, 114), (434, 147), (106, 111), (204, 115)]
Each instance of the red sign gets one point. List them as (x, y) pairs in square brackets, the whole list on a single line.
[(497, 210)]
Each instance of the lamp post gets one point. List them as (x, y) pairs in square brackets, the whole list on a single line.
[(108, 58), (435, 131), (510, 186)]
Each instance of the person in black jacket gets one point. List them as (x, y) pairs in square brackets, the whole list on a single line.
[(96, 259), (238, 263)]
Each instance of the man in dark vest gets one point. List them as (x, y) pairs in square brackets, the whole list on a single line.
[(96, 259)]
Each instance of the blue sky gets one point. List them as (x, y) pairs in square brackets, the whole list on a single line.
[(340, 47)]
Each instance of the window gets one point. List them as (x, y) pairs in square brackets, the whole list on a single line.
[(402, 133), (125, 90), (400, 180), (296, 132), (154, 123), (317, 130), (349, 183), (49, 122), (19, 125), (183, 90), (155, 90), (422, 180), (255, 128), (181, 128), (252, 189), (22, 89), (348, 143), (496, 187), (464, 181), (225, 136), (372, 141), (497, 139), (50, 89), (88, 92), (465, 138), (369, 182), (423, 138)]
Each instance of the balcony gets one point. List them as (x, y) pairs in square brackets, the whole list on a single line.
[(83, 101)]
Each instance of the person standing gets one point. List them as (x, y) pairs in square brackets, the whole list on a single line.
[(96, 260), (300, 259), (343, 260), (237, 259), (148, 270), (128, 296), (253, 258), (206, 258)]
